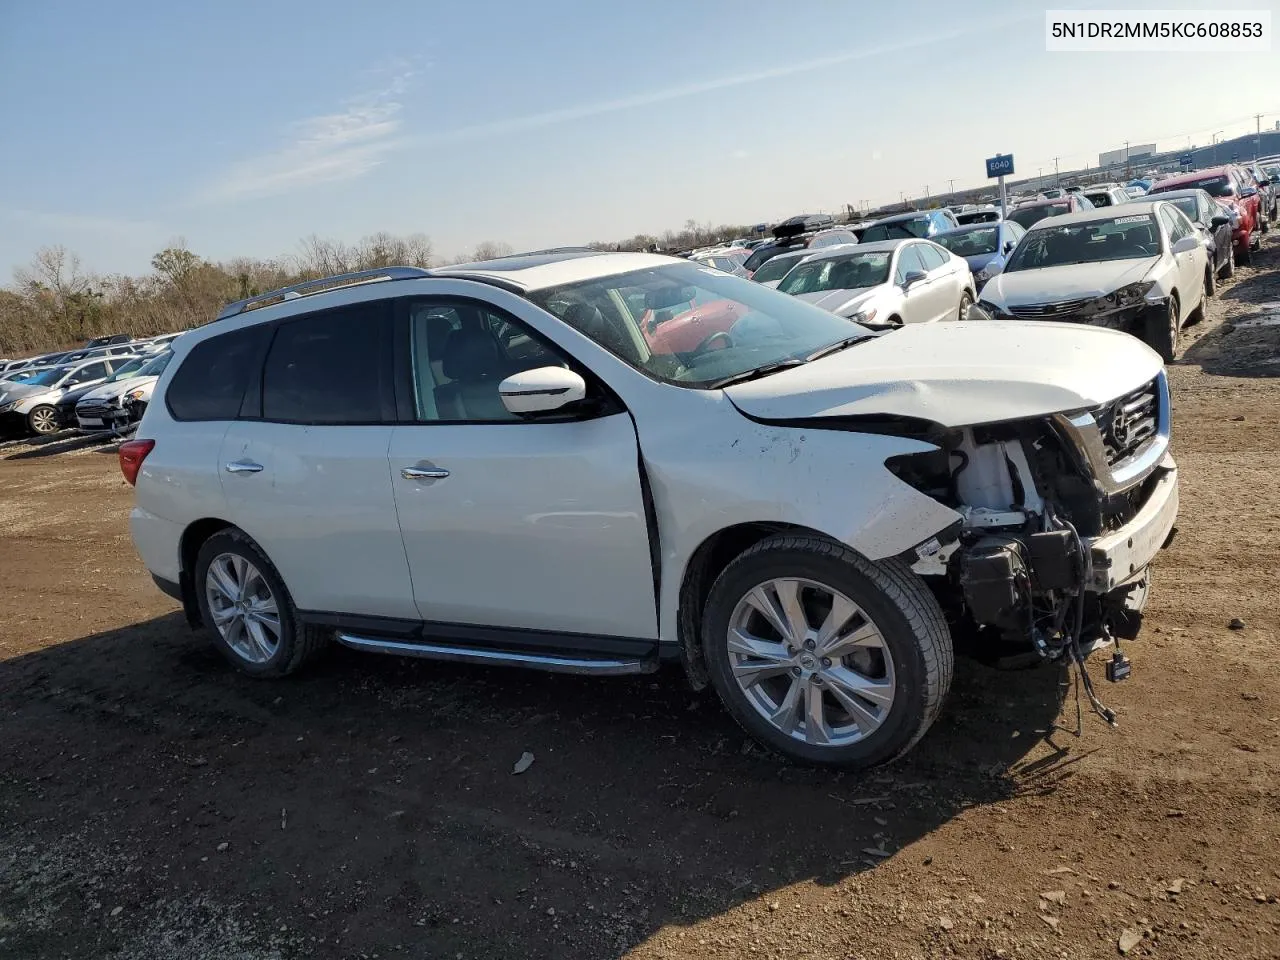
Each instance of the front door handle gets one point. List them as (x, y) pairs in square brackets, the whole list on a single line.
[(243, 466), (423, 473)]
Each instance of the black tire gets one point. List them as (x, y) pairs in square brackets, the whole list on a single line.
[(299, 643), (1162, 330), (1245, 256), (1229, 268), (43, 420), (966, 302), (1210, 286), (898, 602)]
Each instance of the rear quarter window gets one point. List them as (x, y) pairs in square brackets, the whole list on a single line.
[(211, 382)]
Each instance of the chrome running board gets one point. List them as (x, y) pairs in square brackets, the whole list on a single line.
[(598, 666)]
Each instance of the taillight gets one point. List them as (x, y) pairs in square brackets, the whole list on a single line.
[(132, 453)]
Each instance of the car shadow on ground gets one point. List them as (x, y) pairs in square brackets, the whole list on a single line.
[(1247, 342), (371, 801), (64, 441)]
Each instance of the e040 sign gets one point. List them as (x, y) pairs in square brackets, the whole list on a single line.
[(1000, 165)]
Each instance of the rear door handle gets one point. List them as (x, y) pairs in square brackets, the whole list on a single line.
[(243, 466), (423, 473)]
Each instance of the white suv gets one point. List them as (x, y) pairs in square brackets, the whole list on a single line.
[(494, 463)]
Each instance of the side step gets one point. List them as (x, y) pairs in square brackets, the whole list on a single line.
[(599, 666)]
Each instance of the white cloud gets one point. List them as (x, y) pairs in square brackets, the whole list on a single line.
[(322, 149)]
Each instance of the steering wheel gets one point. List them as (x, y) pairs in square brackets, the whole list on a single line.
[(720, 340)]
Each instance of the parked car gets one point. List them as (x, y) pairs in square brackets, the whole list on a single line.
[(1053, 193), (1032, 213), (110, 339), (982, 214), (116, 404), (730, 260), (784, 242), (1228, 186), (31, 406), (906, 226), (885, 283), (773, 270), (1266, 190), (1141, 268), (985, 247), (1140, 183), (1214, 224), (550, 494), (67, 403), (1110, 196)]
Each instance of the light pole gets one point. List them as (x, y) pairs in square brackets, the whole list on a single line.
[(1056, 181), (1215, 148), (952, 182)]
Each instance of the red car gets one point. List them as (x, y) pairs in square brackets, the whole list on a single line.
[(690, 327), (1235, 190)]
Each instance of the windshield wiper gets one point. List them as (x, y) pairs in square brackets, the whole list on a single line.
[(838, 346), (754, 372)]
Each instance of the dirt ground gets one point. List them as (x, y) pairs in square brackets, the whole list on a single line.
[(156, 805)]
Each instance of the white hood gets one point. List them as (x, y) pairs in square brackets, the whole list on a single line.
[(1070, 282), (842, 302), (958, 374), (109, 391)]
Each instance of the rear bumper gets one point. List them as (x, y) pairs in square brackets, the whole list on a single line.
[(1122, 555), (158, 542)]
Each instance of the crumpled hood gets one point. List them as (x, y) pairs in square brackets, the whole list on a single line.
[(839, 301), (107, 391), (958, 374), (20, 391), (1069, 282)]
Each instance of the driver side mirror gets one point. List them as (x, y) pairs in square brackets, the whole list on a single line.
[(541, 390), (912, 278), (1219, 222), (1009, 245), (1186, 244)]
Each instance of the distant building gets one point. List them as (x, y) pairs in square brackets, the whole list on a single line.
[(1136, 152)]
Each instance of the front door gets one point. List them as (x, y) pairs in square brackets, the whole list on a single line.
[(507, 522), (306, 474)]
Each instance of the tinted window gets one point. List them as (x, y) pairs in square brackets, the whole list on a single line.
[(908, 261), (897, 230), (776, 268), (94, 371), (461, 352), (932, 257), (211, 381), (329, 367)]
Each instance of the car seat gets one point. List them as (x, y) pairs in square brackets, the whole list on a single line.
[(475, 367)]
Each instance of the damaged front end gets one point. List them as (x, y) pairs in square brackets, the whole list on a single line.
[(1061, 516)]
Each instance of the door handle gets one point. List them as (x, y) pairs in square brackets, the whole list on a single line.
[(243, 466), (423, 473)]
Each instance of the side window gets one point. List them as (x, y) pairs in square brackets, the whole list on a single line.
[(94, 371), (1171, 223), (331, 367), (931, 255), (908, 260), (211, 382), (460, 352), (1184, 223)]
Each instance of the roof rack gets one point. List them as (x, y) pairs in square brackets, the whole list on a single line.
[(321, 285)]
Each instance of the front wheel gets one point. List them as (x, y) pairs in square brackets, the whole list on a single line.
[(824, 656), (43, 420), (1163, 328), (966, 302)]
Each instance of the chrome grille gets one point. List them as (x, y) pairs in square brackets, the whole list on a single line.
[(1048, 311), (1129, 423)]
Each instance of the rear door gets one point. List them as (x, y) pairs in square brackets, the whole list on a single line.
[(304, 469), (915, 306), (514, 523), (942, 294)]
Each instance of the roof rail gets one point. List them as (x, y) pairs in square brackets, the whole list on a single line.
[(321, 285)]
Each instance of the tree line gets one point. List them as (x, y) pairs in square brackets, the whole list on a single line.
[(55, 303)]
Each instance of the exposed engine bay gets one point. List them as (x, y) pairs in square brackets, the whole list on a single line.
[(1036, 500)]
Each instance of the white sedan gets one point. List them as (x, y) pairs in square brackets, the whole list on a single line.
[(1141, 268), (887, 283)]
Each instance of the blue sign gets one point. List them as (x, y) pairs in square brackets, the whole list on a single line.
[(1187, 160), (1001, 165), (759, 228)]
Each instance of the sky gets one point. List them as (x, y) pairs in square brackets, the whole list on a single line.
[(244, 126)]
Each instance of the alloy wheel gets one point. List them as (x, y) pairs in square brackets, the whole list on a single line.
[(811, 662), (44, 420), (243, 608)]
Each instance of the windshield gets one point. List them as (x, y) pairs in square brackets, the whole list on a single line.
[(970, 243), (1214, 186), (898, 230), (21, 376), (155, 366), (127, 370), (979, 216), (52, 375), (693, 327), (1028, 216), (777, 268), (850, 272), (1119, 238), (1188, 206), (763, 255)]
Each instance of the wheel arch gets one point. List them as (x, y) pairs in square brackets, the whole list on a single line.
[(705, 564), (193, 538)]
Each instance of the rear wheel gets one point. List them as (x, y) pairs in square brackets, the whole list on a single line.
[(1229, 268), (1245, 255), (247, 607), (43, 420), (1210, 283), (1163, 328), (826, 657)]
